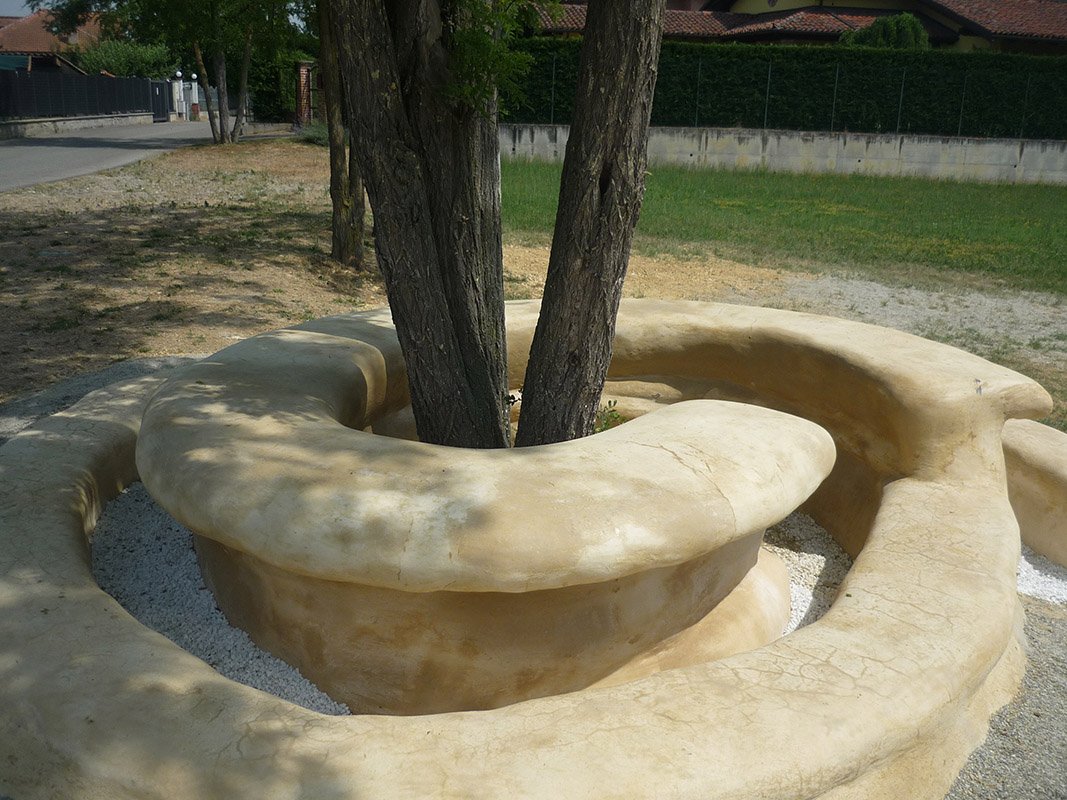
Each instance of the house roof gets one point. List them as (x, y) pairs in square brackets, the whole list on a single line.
[(30, 34), (8, 20), (825, 23), (814, 22), (689, 24), (1017, 19)]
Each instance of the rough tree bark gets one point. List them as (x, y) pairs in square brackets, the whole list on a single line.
[(346, 183), (599, 202), (202, 79), (219, 59), (242, 87), (432, 172)]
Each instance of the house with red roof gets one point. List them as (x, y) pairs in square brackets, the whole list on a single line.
[(1030, 26), (26, 43)]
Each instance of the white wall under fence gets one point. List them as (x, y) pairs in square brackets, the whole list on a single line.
[(943, 157)]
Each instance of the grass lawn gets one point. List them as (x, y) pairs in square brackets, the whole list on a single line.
[(891, 229)]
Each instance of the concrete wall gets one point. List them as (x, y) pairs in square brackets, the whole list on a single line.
[(944, 157), (26, 128)]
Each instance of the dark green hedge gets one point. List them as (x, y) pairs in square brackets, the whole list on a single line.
[(944, 92)]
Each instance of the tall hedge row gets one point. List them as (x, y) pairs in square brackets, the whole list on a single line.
[(936, 92)]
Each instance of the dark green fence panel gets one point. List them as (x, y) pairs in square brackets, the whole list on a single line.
[(935, 92)]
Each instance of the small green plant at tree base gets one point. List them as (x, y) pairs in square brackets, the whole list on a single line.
[(607, 417)]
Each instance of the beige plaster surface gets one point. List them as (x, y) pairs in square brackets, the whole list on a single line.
[(1036, 457), (882, 698), (388, 651), (252, 447), (408, 578)]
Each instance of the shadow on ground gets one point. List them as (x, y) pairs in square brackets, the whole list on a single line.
[(79, 291)]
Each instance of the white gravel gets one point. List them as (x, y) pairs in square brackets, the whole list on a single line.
[(1041, 578), (816, 563), (145, 560)]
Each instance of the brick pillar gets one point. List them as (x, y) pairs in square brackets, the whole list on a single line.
[(303, 92)]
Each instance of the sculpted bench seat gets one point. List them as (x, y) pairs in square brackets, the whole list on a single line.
[(883, 697)]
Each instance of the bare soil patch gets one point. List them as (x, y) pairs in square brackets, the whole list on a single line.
[(182, 254), (192, 251)]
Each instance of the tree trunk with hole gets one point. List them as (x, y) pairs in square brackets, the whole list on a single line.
[(346, 184), (600, 197), (432, 173)]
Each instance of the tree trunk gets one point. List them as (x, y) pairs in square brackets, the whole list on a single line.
[(219, 58), (432, 173), (202, 79), (346, 184), (599, 202), (355, 224), (242, 88)]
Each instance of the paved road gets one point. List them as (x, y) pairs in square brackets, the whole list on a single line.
[(25, 162)]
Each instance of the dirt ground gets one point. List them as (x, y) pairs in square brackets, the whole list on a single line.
[(191, 251)]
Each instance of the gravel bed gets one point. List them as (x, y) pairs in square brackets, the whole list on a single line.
[(816, 563), (145, 560), (1042, 579)]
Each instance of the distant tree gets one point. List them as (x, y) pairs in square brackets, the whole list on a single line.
[(128, 59), (346, 181), (898, 32), (214, 32)]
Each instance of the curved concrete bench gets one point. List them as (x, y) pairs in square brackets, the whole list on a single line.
[(409, 578), (883, 697), (1036, 457)]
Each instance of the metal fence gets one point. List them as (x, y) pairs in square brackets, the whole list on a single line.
[(30, 95)]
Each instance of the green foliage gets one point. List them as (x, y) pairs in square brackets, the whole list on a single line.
[(898, 32), (824, 88), (214, 24), (607, 417), (316, 133), (480, 38), (127, 59)]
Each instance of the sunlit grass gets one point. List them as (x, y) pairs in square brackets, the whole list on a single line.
[(888, 228)]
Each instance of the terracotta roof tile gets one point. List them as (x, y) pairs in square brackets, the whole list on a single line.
[(827, 23), (30, 35), (1028, 19), (702, 24), (817, 22)]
